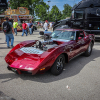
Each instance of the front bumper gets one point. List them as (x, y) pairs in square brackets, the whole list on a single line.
[(21, 71)]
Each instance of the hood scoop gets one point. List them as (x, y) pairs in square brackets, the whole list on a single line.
[(31, 50)]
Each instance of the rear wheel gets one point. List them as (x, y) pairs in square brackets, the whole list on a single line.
[(58, 65), (89, 50)]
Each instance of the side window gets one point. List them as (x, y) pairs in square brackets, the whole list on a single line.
[(98, 12), (79, 34)]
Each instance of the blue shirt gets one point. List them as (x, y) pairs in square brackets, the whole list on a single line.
[(30, 25)]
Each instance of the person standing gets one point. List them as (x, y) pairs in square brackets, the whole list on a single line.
[(46, 25), (51, 25), (41, 25), (27, 27), (24, 25), (8, 31), (30, 27), (15, 24)]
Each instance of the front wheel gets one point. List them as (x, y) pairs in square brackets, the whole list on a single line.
[(58, 65), (89, 50), (8, 68)]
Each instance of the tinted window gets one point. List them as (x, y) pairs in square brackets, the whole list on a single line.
[(78, 14), (79, 34), (98, 12)]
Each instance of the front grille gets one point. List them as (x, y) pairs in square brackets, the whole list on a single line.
[(26, 72)]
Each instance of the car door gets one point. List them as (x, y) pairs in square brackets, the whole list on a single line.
[(80, 41), (74, 47), (83, 41)]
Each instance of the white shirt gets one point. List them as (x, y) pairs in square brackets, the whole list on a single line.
[(45, 26), (50, 25)]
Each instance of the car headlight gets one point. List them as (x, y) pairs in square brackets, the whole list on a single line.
[(29, 67)]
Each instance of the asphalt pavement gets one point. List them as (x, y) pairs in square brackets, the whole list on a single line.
[(80, 79)]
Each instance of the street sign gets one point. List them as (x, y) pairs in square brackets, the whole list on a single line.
[(3, 3)]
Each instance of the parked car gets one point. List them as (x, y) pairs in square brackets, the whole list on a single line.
[(38, 56)]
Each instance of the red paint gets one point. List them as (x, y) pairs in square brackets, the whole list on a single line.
[(21, 61)]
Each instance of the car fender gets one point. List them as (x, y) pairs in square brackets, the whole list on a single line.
[(22, 44)]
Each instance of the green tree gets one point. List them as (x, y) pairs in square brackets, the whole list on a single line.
[(30, 4), (41, 11), (67, 11), (55, 13)]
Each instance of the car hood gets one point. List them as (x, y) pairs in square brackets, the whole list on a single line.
[(26, 56)]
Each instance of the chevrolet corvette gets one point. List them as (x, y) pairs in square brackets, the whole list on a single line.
[(50, 53)]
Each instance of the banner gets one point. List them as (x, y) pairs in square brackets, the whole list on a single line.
[(3, 3)]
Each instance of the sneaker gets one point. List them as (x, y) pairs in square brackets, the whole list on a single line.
[(8, 47), (12, 46)]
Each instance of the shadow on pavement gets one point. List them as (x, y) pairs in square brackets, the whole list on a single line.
[(5, 48), (3, 43), (72, 68), (4, 97)]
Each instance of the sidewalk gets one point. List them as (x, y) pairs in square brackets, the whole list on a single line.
[(17, 39), (1, 31)]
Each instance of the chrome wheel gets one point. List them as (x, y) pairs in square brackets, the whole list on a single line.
[(58, 65), (89, 48)]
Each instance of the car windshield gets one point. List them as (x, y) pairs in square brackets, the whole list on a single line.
[(65, 35)]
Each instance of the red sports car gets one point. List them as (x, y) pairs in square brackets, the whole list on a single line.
[(38, 56)]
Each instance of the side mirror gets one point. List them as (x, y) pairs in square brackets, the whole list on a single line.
[(79, 38)]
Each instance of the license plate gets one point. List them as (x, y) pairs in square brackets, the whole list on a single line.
[(13, 69)]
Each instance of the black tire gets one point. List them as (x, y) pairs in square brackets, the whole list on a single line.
[(58, 65), (35, 28), (8, 68), (89, 50)]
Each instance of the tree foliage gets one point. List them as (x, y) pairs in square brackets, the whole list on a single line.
[(67, 11), (30, 4), (41, 9), (55, 13)]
